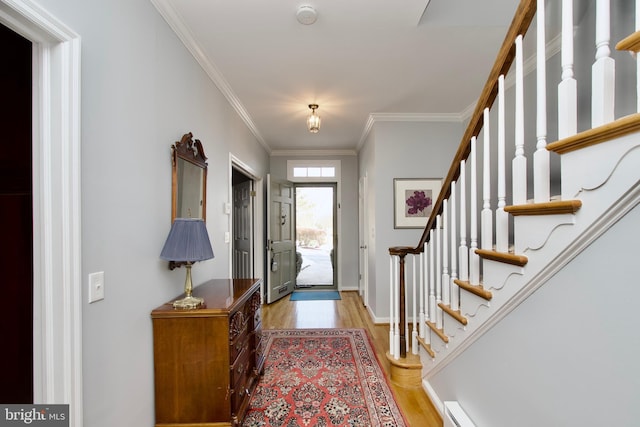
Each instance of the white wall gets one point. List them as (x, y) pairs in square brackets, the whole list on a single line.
[(400, 150), (348, 213), (566, 356), (141, 91)]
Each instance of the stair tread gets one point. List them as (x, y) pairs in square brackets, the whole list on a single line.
[(427, 347), (597, 135), (439, 332), (478, 290), (505, 257), (630, 43), (456, 314), (546, 208)]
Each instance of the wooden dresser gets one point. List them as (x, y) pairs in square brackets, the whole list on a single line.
[(207, 361)]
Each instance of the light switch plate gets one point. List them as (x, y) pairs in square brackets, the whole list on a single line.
[(96, 286)]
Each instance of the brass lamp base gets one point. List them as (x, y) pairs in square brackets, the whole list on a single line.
[(188, 303)]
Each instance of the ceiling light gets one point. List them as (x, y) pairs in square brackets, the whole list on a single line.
[(313, 121), (306, 15)]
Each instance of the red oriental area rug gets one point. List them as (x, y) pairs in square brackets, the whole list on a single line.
[(322, 377)]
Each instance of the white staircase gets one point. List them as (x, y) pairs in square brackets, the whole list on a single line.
[(487, 248)]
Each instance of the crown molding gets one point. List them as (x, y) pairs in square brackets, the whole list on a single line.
[(405, 117), (176, 23)]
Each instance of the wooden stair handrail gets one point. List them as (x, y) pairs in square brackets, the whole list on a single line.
[(523, 16), (522, 20)]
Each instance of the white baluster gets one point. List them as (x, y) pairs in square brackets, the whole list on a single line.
[(432, 277), (392, 290), (541, 171), (423, 291), (486, 218), (439, 319), (568, 87), (446, 291), (455, 296), (502, 218), (474, 259), (519, 164), (603, 70), (414, 331), (463, 250)]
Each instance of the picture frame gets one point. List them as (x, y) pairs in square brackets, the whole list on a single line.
[(413, 200)]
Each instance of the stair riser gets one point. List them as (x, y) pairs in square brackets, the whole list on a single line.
[(589, 168), (534, 231), (497, 273), (452, 327), (470, 304)]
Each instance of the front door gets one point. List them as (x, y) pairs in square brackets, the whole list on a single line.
[(281, 262), (316, 235)]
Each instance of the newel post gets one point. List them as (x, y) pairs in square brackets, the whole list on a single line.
[(401, 252)]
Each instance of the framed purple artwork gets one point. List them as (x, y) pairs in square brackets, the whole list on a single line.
[(413, 201)]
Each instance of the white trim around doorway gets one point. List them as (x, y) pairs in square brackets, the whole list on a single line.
[(57, 270)]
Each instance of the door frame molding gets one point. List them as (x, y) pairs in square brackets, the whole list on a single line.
[(57, 269)]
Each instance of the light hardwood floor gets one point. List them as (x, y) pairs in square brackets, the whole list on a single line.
[(349, 312)]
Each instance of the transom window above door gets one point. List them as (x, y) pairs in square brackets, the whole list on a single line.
[(313, 170)]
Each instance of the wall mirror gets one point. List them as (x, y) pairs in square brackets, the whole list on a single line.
[(189, 179)]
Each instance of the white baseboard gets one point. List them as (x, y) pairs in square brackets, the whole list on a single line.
[(435, 399)]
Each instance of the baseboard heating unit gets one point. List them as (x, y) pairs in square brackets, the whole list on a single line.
[(454, 416)]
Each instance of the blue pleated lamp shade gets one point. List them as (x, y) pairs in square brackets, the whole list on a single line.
[(188, 241)]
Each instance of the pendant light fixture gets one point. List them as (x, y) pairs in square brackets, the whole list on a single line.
[(313, 121)]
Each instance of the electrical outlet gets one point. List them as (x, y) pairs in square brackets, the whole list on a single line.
[(96, 286)]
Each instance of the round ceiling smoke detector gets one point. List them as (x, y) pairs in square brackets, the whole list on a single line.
[(306, 15)]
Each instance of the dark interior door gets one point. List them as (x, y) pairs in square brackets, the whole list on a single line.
[(16, 216)]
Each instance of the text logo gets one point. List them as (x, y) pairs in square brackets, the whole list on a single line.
[(34, 415)]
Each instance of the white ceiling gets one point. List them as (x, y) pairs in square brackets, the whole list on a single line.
[(361, 61)]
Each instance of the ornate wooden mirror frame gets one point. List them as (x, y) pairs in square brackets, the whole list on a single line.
[(189, 179)]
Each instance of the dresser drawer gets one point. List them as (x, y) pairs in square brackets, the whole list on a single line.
[(241, 376), (237, 345), (241, 366), (259, 347)]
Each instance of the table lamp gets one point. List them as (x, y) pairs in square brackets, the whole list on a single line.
[(188, 242)]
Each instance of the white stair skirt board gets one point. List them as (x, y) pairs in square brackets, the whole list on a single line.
[(454, 416)]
